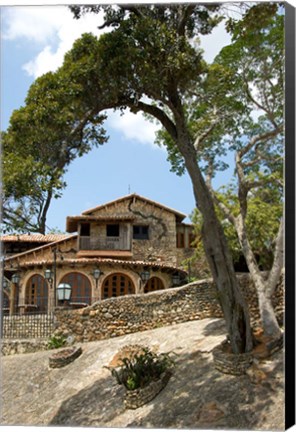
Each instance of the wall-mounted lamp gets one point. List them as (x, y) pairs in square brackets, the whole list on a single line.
[(64, 291), (15, 278), (96, 274), (4, 283), (145, 276), (48, 274), (176, 279)]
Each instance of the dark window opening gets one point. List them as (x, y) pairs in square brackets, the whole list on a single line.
[(113, 230), (141, 232), (180, 240), (85, 229)]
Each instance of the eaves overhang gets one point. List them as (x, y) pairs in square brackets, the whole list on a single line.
[(97, 261), (72, 222)]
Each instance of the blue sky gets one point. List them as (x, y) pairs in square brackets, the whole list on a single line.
[(34, 40)]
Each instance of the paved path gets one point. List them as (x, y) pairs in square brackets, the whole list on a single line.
[(197, 396)]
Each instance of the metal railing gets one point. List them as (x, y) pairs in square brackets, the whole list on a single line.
[(45, 305), (28, 306), (33, 326), (30, 321), (34, 320)]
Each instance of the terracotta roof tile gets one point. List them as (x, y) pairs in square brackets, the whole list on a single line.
[(47, 245), (34, 238), (101, 218), (70, 261), (104, 253)]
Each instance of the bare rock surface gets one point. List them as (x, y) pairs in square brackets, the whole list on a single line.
[(84, 393)]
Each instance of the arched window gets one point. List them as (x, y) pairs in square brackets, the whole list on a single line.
[(153, 284), (117, 284), (81, 288), (37, 293)]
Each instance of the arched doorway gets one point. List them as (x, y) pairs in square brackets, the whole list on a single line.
[(37, 293), (117, 284), (81, 288), (153, 284)]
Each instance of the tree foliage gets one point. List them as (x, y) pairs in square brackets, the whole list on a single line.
[(263, 220), (43, 138)]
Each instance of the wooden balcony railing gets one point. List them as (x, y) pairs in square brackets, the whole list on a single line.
[(109, 243)]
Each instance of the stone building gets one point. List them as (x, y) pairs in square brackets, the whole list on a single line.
[(128, 246)]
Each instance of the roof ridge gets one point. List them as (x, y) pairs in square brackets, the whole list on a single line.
[(86, 212), (108, 203)]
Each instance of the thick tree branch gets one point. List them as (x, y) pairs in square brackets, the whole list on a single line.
[(133, 9), (249, 185), (187, 11), (224, 209), (13, 220), (210, 172), (201, 138), (278, 262), (45, 207), (158, 114), (241, 229), (65, 148), (259, 105), (260, 137), (251, 162), (114, 20)]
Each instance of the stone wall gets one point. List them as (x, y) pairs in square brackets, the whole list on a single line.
[(118, 316), (161, 245), (10, 347), (252, 300)]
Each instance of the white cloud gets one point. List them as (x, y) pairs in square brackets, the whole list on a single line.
[(214, 42), (134, 127), (35, 24), (52, 28), (45, 61)]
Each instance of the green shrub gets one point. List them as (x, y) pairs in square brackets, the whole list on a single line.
[(139, 369), (56, 342)]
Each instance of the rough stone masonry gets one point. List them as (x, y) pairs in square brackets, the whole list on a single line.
[(132, 313)]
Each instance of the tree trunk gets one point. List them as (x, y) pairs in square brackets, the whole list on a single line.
[(267, 314), (278, 262), (233, 304), (269, 322), (43, 212)]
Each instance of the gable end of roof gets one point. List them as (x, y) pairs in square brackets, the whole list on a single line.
[(135, 197)]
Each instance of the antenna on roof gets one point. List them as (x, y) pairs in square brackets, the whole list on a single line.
[(129, 189)]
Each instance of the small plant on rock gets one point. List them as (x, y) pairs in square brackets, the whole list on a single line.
[(141, 368), (56, 342)]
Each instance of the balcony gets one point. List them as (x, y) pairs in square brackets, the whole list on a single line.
[(108, 247), (109, 243)]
